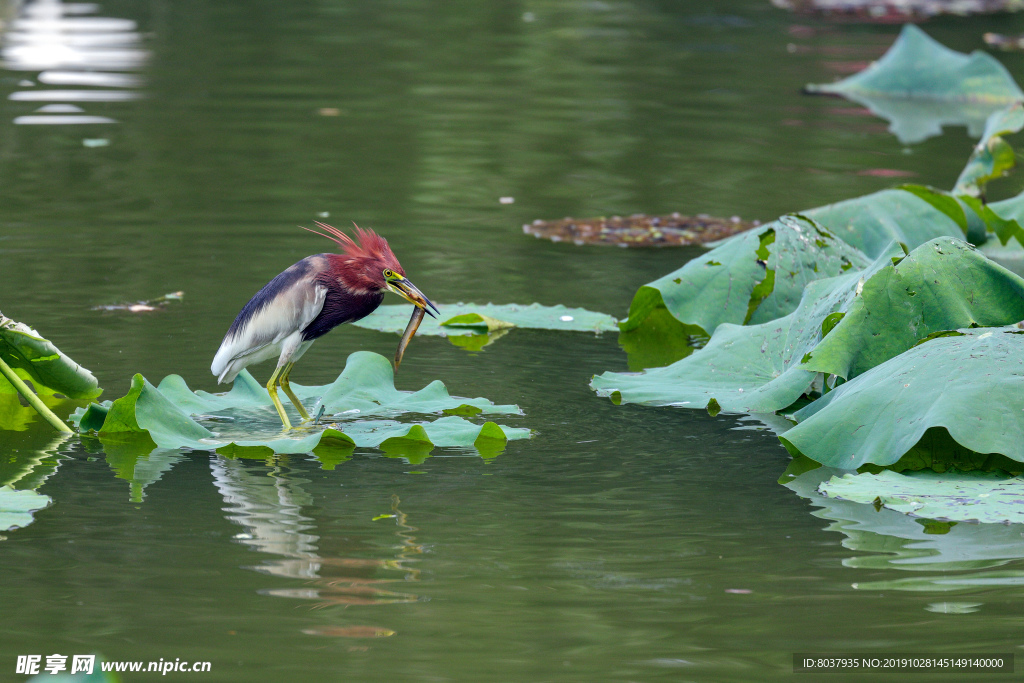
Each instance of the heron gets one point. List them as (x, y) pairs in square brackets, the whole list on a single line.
[(307, 301)]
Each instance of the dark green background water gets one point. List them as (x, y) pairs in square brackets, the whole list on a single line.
[(606, 547)]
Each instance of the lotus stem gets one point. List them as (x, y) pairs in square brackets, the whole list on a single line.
[(32, 399)]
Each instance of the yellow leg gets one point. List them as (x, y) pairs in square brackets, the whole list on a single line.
[(272, 388), (291, 395)]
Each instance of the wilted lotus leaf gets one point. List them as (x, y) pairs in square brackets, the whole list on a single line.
[(244, 418), (470, 319), (752, 278), (919, 86), (968, 383), (640, 230)]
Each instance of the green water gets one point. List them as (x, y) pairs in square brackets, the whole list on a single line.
[(618, 544)]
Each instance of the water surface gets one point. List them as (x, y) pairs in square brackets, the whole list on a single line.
[(620, 543)]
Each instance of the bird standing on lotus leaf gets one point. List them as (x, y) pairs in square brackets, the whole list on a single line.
[(307, 301)]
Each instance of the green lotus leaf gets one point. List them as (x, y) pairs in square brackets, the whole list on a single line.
[(886, 309), (992, 156), (173, 416), (943, 285), (986, 497), (34, 358), (947, 381), (480, 324), (753, 277), (919, 85), (871, 222), (16, 507), (472, 319), (747, 369)]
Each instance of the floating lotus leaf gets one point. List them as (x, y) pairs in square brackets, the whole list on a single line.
[(969, 383), (453, 321), (992, 156), (843, 326), (16, 507), (244, 418), (34, 358), (942, 285), (955, 496), (871, 222), (754, 277), (919, 86), (747, 369)]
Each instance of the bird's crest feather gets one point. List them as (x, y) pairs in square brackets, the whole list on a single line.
[(370, 244)]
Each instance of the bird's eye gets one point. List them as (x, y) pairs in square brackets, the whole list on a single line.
[(388, 273)]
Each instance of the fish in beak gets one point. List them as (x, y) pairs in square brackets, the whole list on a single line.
[(411, 293)]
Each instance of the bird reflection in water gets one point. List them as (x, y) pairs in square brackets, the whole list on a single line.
[(268, 504)]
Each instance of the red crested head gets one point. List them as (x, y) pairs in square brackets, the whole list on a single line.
[(362, 264)]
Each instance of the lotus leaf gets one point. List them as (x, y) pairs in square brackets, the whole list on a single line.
[(754, 277), (944, 382), (175, 417), (942, 285), (747, 369), (452, 320), (37, 359), (871, 222), (992, 156), (954, 496), (919, 86), (16, 507)]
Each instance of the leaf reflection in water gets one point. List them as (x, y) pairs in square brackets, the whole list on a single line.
[(889, 540)]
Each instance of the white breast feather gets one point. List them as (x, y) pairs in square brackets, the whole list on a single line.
[(262, 335)]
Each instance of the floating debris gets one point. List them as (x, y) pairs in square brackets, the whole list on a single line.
[(143, 306), (896, 11), (1001, 42), (640, 230)]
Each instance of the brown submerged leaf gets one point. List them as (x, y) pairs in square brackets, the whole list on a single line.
[(1002, 42), (640, 230), (350, 631)]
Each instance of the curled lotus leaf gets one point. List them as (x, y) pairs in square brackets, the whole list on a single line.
[(943, 285), (944, 382), (992, 156), (751, 368), (886, 309), (870, 223), (37, 359), (754, 277)]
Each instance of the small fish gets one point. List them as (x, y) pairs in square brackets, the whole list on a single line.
[(410, 330)]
